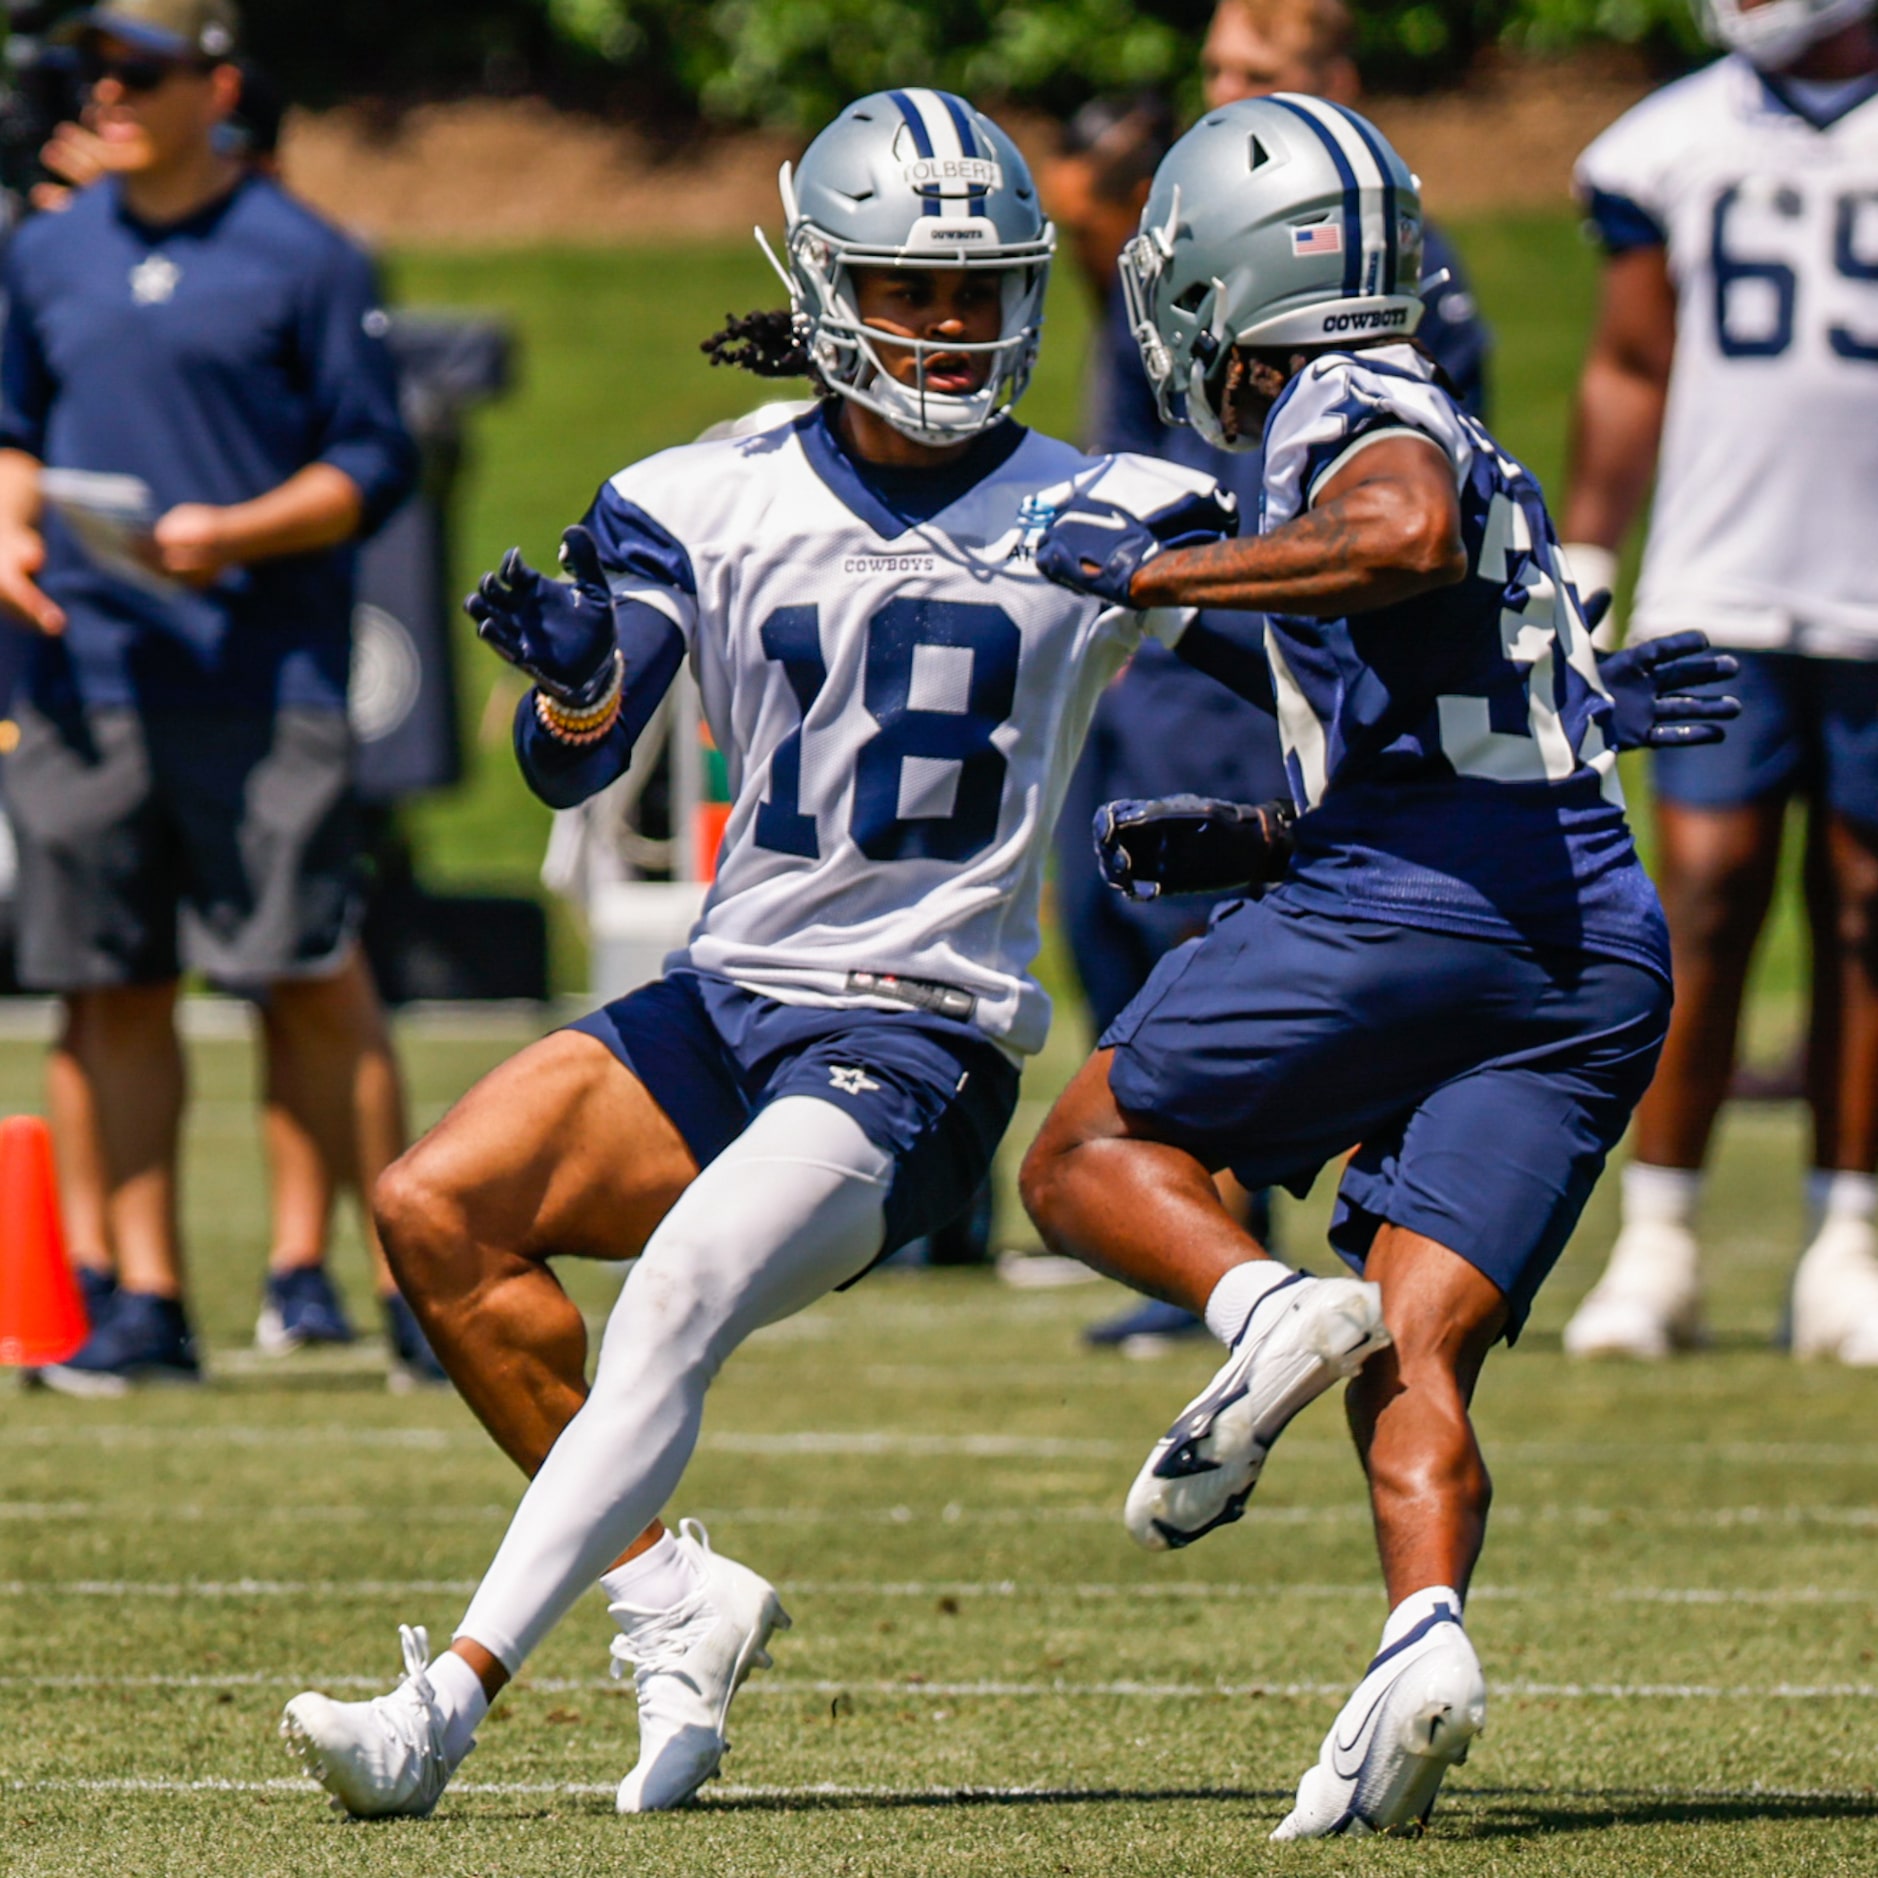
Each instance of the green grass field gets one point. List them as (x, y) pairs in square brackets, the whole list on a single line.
[(1676, 1609)]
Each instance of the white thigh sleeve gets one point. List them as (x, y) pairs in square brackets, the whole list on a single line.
[(795, 1206)]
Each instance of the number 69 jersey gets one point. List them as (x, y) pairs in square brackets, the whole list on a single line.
[(1764, 193), (899, 694)]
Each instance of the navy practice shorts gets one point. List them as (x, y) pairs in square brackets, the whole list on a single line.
[(935, 1094), (1807, 726), (1481, 1084)]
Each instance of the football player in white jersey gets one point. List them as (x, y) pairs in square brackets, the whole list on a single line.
[(827, 1066), (1737, 353)]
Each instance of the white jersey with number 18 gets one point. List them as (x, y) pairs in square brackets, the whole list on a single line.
[(1765, 194), (899, 694)]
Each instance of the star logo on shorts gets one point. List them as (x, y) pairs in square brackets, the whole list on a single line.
[(154, 279), (852, 1081)]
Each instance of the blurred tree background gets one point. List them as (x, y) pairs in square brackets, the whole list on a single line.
[(790, 63)]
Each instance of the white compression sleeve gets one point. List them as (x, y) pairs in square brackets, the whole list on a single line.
[(792, 1208)]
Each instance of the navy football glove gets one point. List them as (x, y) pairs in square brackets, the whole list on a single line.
[(563, 637), (1191, 844), (1095, 547), (1650, 686)]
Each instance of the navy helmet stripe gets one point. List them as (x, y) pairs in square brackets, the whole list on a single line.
[(914, 122), (961, 116), (921, 141), (1391, 255), (1352, 199)]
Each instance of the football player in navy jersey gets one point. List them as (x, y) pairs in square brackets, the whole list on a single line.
[(1464, 976), (1162, 726), (826, 1067)]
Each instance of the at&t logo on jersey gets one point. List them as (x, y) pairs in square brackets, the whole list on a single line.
[(1034, 516)]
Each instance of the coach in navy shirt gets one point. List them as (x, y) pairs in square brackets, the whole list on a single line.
[(181, 788)]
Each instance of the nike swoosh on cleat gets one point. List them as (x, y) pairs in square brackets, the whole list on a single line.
[(1194, 1425), (1183, 1462), (1339, 1748)]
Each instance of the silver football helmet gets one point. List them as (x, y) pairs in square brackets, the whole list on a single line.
[(1277, 221), (1776, 33), (914, 178)]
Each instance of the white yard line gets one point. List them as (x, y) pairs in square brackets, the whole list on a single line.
[(1039, 1589), (1459, 1796), (995, 1689), (1647, 1518), (140, 1435)]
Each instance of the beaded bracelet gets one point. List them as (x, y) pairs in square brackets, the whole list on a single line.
[(585, 726)]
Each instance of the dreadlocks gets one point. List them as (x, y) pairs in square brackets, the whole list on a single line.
[(768, 344)]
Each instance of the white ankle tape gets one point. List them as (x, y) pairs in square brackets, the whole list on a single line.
[(1237, 1295), (660, 1579), (1418, 1606), (1832, 1193), (460, 1698), (1665, 1196)]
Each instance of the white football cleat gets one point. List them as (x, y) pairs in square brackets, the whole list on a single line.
[(1302, 1336), (378, 1758), (1648, 1304), (687, 1664), (1419, 1705), (1835, 1294)]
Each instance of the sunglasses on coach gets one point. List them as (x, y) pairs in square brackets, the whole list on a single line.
[(137, 72)]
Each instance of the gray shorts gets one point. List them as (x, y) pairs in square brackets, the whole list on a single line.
[(227, 842)]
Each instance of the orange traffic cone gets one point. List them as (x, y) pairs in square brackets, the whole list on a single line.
[(42, 1316)]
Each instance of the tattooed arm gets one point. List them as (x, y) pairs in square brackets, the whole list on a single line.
[(1385, 528)]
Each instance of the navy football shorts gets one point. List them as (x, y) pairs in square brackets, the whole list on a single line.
[(1482, 1085), (1807, 726), (934, 1093)]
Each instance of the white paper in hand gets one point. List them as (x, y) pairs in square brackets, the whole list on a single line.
[(113, 519)]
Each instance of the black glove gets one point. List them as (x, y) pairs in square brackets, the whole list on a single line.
[(562, 636), (1191, 844), (1650, 685)]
